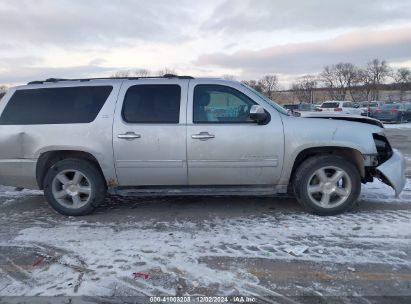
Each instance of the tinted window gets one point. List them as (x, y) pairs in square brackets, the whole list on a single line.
[(291, 107), (391, 106), (306, 107), (220, 104), (152, 104), (329, 105), (55, 105), (348, 105)]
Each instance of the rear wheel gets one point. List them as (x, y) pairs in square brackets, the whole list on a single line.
[(74, 187), (327, 185)]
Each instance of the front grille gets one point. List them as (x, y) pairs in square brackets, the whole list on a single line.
[(383, 148)]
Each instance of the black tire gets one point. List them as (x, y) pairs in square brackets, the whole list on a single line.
[(92, 177), (304, 176)]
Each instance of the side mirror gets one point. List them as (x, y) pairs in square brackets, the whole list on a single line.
[(258, 114)]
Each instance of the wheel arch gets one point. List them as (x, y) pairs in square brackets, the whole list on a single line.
[(345, 152), (47, 159)]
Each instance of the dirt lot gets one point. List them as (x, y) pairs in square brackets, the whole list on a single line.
[(267, 248)]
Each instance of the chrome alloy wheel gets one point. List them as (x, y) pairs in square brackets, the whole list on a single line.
[(72, 189), (329, 187)]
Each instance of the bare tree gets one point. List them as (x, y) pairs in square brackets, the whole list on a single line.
[(378, 71), (339, 79), (3, 90), (402, 78), (120, 74), (142, 73), (269, 84), (365, 84), (253, 84), (229, 77), (166, 71), (304, 88)]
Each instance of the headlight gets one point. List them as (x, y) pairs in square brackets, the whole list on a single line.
[(383, 147)]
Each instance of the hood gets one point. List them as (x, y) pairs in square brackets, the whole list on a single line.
[(354, 118)]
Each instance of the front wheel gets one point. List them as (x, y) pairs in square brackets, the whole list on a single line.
[(327, 185), (74, 187)]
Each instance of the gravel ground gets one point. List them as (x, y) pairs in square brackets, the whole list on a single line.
[(268, 248)]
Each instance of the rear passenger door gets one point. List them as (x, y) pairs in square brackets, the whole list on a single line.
[(149, 133)]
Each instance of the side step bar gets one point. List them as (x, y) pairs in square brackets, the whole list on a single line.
[(200, 191)]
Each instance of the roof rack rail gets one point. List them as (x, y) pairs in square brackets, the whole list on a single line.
[(168, 76)]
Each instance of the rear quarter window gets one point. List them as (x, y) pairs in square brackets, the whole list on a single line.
[(55, 105)]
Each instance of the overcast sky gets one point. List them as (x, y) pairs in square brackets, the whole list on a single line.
[(247, 38)]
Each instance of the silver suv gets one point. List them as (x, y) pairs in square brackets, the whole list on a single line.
[(81, 139)]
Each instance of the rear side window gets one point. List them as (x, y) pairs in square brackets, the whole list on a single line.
[(152, 104), (55, 105)]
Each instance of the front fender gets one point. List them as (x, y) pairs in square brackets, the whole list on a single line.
[(311, 133)]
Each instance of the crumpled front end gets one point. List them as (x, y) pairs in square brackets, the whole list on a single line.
[(389, 165), (392, 172)]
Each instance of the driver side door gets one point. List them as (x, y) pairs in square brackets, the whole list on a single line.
[(224, 146)]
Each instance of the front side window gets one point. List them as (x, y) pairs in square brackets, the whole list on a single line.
[(220, 104), (66, 105), (152, 104)]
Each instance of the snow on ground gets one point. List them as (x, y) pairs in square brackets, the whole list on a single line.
[(6, 191), (176, 251), (380, 192), (398, 126), (12, 195)]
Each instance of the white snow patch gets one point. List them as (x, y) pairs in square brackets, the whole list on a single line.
[(188, 250), (398, 126), (9, 192), (382, 193), (177, 249)]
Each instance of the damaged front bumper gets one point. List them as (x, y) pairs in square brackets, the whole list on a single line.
[(392, 172)]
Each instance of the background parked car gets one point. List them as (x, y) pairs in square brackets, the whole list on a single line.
[(408, 111), (395, 112), (369, 107), (341, 107), (305, 107)]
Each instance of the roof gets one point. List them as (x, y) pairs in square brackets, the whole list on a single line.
[(54, 80)]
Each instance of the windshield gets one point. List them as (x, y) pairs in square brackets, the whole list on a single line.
[(268, 100)]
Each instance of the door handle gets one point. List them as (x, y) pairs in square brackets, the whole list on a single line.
[(202, 136), (129, 136)]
